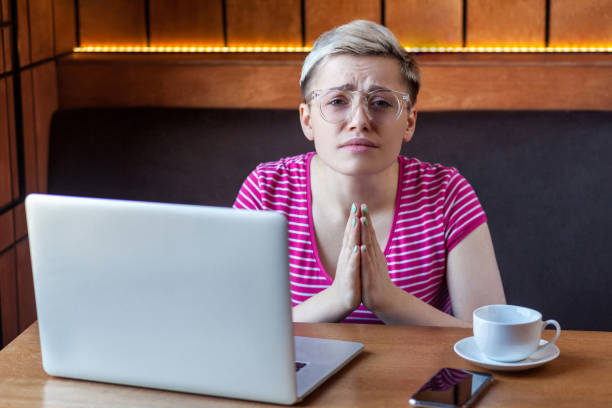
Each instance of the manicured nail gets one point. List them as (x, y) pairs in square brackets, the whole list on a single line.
[(364, 220), (354, 222), (364, 208), (353, 209), (365, 248), (355, 249)]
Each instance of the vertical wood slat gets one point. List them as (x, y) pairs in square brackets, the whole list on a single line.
[(273, 22), (2, 51), (5, 10), (6, 180), (438, 24), (8, 296), (21, 226), (25, 286), (65, 26), (45, 104), (29, 133), (8, 50), (23, 32), (186, 22), (41, 29), (112, 22), (581, 23), (323, 15), (7, 230), (506, 23), (10, 103)]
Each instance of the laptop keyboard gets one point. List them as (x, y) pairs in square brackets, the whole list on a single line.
[(299, 366)]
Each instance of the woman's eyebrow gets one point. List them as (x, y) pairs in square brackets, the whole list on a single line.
[(351, 87), (373, 88), (344, 87)]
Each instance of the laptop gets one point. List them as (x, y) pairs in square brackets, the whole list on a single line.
[(168, 296)]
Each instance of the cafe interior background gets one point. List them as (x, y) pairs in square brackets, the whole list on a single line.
[(56, 54)]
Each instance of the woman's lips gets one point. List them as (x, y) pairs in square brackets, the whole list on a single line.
[(358, 145)]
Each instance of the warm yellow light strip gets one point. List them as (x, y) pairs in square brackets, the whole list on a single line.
[(190, 49), (251, 49), (508, 49)]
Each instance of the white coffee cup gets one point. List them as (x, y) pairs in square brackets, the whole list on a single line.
[(510, 333)]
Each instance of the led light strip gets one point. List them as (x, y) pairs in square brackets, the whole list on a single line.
[(273, 49), (508, 49), (190, 49)]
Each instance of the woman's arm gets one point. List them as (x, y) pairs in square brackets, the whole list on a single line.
[(472, 276)]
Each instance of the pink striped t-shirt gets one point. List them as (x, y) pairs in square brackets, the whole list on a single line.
[(435, 209)]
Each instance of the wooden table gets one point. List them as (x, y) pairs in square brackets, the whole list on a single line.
[(395, 362)]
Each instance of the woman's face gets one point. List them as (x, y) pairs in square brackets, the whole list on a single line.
[(357, 145)]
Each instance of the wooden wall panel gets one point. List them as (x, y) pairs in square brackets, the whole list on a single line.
[(506, 23), (65, 26), (138, 83), (1, 51), (25, 286), (449, 82), (581, 23), (323, 15), (439, 23), (29, 133), (21, 226), (112, 22), (7, 230), (518, 86), (23, 34), (186, 22), (5, 10), (8, 49), (6, 180), (10, 103), (8, 296), (41, 29), (257, 22), (45, 104)]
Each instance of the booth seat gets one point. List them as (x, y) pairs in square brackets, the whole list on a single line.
[(544, 179)]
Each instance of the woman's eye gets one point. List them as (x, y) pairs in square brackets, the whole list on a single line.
[(380, 103), (337, 101)]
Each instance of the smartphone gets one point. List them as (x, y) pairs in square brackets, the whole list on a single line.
[(450, 388)]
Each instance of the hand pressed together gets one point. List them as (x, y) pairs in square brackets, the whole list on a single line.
[(347, 281), (362, 275)]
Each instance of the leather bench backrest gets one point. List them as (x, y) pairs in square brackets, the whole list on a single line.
[(544, 180)]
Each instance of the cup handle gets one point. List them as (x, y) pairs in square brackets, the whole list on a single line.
[(557, 326)]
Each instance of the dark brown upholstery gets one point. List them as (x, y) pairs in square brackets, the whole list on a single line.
[(544, 179)]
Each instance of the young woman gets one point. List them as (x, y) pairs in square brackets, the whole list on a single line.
[(373, 236)]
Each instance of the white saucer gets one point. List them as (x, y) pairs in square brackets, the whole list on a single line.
[(468, 349)]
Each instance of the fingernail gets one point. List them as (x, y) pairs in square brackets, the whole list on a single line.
[(353, 209), (354, 222), (364, 208), (364, 220), (355, 249), (365, 248)]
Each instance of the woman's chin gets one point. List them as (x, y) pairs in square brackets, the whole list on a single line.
[(358, 149)]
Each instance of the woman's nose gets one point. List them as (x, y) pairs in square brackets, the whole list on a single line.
[(359, 115)]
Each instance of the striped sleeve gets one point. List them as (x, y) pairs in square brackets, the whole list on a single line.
[(462, 210), (250, 195)]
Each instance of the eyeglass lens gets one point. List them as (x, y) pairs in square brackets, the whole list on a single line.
[(381, 106)]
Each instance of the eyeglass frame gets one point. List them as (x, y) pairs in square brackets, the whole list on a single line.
[(404, 97)]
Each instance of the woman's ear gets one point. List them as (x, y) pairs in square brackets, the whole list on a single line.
[(306, 121), (410, 124)]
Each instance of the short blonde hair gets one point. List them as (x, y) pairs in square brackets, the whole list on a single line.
[(360, 37)]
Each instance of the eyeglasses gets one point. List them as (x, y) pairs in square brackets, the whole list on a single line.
[(381, 106)]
